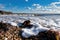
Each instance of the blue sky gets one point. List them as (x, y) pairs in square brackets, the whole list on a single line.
[(30, 6)]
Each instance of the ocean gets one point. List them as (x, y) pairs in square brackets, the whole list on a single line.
[(42, 21), (46, 20)]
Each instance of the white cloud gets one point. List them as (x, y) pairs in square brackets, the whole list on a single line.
[(26, 0), (55, 4), (29, 8), (51, 8), (37, 6)]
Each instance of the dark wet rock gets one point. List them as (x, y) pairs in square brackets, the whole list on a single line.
[(3, 26), (16, 32), (46, 35), (5, 12), (26, 24)]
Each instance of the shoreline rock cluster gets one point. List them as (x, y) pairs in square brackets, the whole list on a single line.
[(9, 32)]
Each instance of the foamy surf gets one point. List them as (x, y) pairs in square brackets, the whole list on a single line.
[(41, 23)]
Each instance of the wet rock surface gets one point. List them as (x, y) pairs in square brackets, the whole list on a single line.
[(9, 32)]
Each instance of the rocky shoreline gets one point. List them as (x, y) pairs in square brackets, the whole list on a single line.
[(9, 32)]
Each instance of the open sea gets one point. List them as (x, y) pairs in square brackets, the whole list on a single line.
[(46, 20)]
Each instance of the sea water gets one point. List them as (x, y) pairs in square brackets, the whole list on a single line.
[(50, 21), (45, 19)]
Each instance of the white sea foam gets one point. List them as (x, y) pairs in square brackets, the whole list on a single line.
[(40, 23)]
